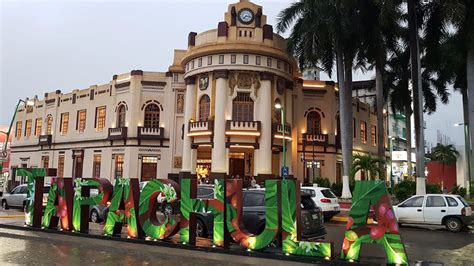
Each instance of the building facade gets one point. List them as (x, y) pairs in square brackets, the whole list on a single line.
[(211, 114)]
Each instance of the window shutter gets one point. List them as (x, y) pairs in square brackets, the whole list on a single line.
[(77, 120)]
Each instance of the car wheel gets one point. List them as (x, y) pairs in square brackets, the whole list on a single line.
[(168, 210), (200, 229), (453, 224), (4, 205), (94, 216)]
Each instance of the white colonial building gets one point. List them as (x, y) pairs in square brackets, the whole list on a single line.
[(212, 114)]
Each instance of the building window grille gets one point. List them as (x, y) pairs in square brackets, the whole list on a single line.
[(152, 116), (121, 115), (38, 126), (204, 108), (96, 166), (61, 166), (373, 133), (242, 107), (119, 161), (28, 125), (100, 113), (363, 132), (81, 120), (64, 123), (49, 125), (313, 121)]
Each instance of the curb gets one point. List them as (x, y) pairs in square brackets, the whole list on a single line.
[(344, 219)]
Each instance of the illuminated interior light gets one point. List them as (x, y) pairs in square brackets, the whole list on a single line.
[(196, 134), (303, 131), (281, 137), (325, 132), (242, 133), (205, 145), (242, 146), (314, 86)]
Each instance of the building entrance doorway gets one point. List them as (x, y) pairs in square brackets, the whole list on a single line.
[(149, 168), (237, 164), (313, 170), (78, 166)]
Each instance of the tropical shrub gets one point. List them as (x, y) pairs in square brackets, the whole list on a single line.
[(457, 190), (369, 165), (433, 189), (337, 189), (322, 182), (405, 189)]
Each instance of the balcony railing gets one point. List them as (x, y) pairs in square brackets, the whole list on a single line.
[(243, 128), (315, 139), (152, 133), (200, 128), (119, 133), (45, 140), (278, 129)]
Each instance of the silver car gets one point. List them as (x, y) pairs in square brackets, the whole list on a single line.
[(17, 197)]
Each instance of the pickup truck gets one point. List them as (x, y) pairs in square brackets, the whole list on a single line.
[(451, 211)]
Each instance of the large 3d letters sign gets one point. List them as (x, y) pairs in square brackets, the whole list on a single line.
[(386, 233), (68, 206)]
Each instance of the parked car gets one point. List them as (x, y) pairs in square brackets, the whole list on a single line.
[(451, 211), (254, 214), (97, 213), (16, 198), (323, 197)]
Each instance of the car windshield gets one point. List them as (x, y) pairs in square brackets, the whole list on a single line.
[(307, 203), (328, 193), (464, 202)]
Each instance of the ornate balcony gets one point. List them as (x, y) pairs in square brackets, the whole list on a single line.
[(119, 133), (243, 128), (277, 130), (151, 133), (45, 140), (315, 139), (200, 128)]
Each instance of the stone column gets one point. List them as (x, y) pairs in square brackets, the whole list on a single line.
[(264, 108), (188, 115), (219, 151)]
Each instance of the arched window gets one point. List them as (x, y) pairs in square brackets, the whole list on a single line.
[(121, 114), (242, 107), (314, 123), (152, 116), (204, 108), (49, 125)]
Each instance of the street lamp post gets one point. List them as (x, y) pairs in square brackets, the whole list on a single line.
[(278, 106), (467, 147)]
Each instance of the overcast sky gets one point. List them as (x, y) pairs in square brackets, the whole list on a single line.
[(66, 45)]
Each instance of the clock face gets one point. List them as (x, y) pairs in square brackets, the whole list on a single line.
[(246, 16)]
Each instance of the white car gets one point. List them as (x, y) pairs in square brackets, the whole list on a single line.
[(325, 199), (451, 211), (17, 197)]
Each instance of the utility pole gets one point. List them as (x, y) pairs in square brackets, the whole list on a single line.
[(417, 98)]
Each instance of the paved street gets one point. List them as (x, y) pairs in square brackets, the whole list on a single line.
[(35, 248), (422, 243)]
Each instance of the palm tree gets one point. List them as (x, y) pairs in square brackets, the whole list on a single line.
[(369, 165), (446, 155), (453, 50), (320, 35), (381, 27)]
